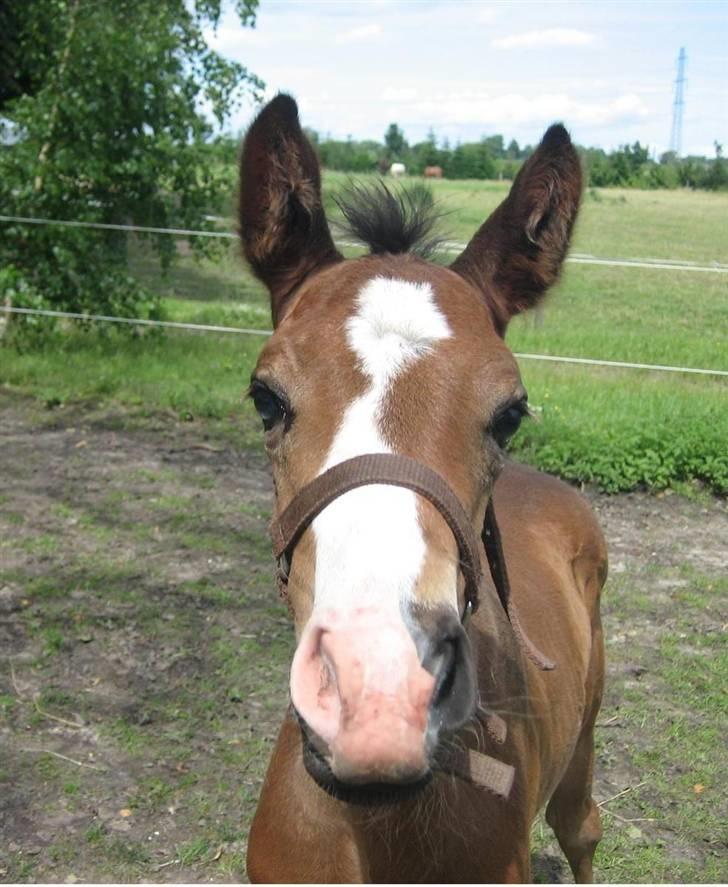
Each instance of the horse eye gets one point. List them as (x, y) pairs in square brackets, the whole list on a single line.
[(507, 423), (269, 406)]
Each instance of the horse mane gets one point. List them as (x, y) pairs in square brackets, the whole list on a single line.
[(401, 220)]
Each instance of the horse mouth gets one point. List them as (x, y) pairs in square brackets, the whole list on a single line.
[(361, 794)]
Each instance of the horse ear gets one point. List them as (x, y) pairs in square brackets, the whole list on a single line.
[(518, 252), (282, 222)]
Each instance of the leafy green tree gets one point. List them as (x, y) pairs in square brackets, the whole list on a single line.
[(513, 152), (395, 142), (111, 132), (495, 146), (470, 161), (716, 178)]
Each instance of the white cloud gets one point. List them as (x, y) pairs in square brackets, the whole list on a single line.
[(546, 37), (357, 35), (504, 110), (487, 15), (399, 94)]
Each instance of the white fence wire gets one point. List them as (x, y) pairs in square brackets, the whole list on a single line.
[(448, 246), (210, 328)]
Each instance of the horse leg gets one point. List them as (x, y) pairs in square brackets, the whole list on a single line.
[(571, 812)]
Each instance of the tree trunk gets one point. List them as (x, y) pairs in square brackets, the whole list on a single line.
[(47, 145)]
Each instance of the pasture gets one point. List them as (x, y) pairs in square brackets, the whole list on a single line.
[(145, 652)]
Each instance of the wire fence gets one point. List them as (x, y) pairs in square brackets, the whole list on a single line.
[(449, 246), (211, 328)]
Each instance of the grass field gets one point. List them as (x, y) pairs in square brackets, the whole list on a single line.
[(614, 222), (619, 429)]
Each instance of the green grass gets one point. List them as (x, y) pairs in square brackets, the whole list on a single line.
[(631, 314), (680, 755), (195, 376)]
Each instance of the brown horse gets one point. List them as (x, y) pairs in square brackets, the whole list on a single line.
[(390, 354), (433, 172)]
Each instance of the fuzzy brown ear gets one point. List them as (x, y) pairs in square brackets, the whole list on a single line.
[(282, 222), (518, 252)]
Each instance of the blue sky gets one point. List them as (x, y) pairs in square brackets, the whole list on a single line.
[(468, 69)]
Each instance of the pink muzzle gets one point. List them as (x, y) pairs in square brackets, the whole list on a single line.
[(357, 682)]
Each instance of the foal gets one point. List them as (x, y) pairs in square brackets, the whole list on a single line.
[(383, 769)]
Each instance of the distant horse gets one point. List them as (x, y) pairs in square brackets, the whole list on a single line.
[(423, 736), (433, 172), (397, 170)]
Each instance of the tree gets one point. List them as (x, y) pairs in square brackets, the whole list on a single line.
[(716, 178), (513, 152), (395, 142), (110, 132), (470, 161), (495, 146)]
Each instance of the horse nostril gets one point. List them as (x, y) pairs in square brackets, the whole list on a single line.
[(445, 676), (445, 652)]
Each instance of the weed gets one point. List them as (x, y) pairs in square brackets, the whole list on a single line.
[(54, 640), (194, 851), (95, 833), (153, 793), (129, 736)]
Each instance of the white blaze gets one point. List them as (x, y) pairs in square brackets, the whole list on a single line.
[(369, 544)]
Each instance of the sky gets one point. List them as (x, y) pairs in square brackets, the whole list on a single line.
[(466, 68)]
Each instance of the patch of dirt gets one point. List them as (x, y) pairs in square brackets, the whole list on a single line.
[(143, 653), (663, 530)]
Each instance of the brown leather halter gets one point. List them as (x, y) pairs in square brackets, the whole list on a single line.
[(402, 471)]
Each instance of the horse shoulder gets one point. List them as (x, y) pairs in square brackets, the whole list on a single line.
[(557, 521), (557, 564)]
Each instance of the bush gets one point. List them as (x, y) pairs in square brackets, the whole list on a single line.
[(621, 459), (75, 271)]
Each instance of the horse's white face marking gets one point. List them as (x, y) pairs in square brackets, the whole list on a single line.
[(369, 544)]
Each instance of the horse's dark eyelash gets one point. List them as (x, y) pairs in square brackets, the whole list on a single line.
[(521, 405), (259, 385)]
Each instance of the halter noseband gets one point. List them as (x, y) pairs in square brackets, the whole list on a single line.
[(396, 470)]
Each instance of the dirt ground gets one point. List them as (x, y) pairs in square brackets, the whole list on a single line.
[(144, 656)]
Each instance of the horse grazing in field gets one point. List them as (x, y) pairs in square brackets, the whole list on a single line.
[(449, 667), (433, 172)]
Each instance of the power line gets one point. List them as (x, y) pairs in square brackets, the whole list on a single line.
[(209, 328)]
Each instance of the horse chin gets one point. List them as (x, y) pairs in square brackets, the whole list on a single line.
[(364, 794)]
